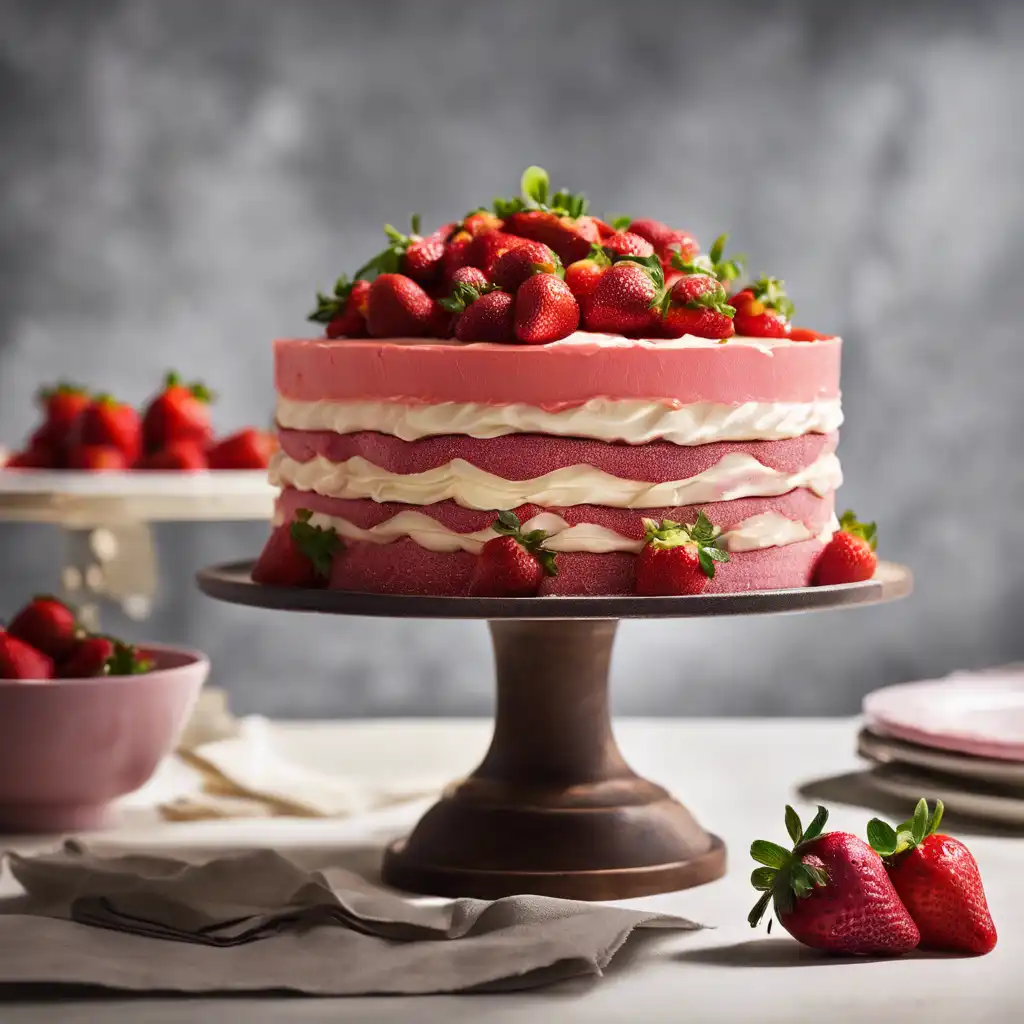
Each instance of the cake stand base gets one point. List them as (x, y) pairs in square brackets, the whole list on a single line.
[(554, 809)]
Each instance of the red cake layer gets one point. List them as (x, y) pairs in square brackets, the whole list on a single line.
[(524, 456)]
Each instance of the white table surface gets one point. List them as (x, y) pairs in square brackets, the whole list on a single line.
[(735, 775)]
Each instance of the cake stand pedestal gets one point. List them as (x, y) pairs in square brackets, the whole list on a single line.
[(553, 809), (108, 553)]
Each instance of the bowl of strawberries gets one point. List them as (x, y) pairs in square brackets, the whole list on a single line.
[(84, 718)]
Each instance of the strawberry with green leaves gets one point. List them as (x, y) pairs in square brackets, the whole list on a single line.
[(763, 310), (298, 554), (47, 624), (626, 298), (62, 404), (513, 564), (414, 255), (482, 312), (938, 881), (108, 423), (583, 275), (179, 413), (95, 656), (344, 311), (677, 559), (714, 263), (397, 307), (514, 266), (830, 892), (666, 241), (696, 305), (849, 557), (545, 310)]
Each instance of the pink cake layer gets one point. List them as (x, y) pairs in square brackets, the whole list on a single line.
[(524, 456), (555, 376), (405, 568), (799, 505)]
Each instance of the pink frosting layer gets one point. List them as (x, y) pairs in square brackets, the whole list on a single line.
[(799, 505), (405, 568), (554, 376), (524, 456)]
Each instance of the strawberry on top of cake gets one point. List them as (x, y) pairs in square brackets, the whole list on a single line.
[(533, 400)]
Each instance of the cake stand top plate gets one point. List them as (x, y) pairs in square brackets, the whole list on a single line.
[(81, 499), (233, 583)]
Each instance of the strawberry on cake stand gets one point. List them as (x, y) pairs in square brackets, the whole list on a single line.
[(102, 472), (538, 418)]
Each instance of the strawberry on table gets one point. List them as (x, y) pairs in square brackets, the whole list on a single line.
[(513, 267), (97, 458), (938, 881), (344, 311), (298, 554), (180, 412), (626, 297), (696, 305), (545, 310), (763, 310), (677, 559), (513, 564), (849, 557), (831, 892), (107, 422), (397, 307), (37, 456), (19, 660), (47, 624), (178, 456), (246, 449)]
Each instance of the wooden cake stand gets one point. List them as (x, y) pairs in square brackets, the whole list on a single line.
[(553, 809)]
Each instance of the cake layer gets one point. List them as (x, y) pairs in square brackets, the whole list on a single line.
[(558, 375)]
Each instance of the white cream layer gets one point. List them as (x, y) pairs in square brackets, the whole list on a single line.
[(633, 421), (736, 475), (769, 529)]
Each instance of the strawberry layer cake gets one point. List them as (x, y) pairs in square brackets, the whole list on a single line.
[(534, 401)]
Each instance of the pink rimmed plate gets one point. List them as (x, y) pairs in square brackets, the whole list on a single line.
[(980, 714)]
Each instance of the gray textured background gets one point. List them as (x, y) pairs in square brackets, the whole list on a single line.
[(177, 177)]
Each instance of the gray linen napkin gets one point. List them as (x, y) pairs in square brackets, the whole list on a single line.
[(256, 922)]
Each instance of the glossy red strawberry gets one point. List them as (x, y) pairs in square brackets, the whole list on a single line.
[(46, 624), (763, 310), (625, 299), (96, 656), (344, 311), (62, 405), (831, 892), (513, 267), (97, 458), (178, 456), (491, 317), (180, 412), (513, 564), (414, 255), (696, 305), (473, 276), (625, 243), (397, 307), (569, 237), (545, 310), (849, 557), (480, 222), (677, 559), (19, 660), (108, 423), (298, 554), (484, 250), (938, 881), (665, 240), (246, 449)]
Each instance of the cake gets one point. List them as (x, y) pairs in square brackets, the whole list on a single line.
[(406, 454)]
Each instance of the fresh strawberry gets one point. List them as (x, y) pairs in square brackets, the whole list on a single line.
[(513, 564), (97, 458), (625, 243), (583, 275), (19, 660), (677, 559), (513, 267), (665, 240), (625, 298), (344, 312), (714, 264), (545, 310), (483, 251), (298, 554), (938, 881), (107, 422), (763, 310), (62, 405), (473, 276), (180, 412), (806, 334), (569, 237), (180, 456), (397, 307), (696, 304), (491, 317), (831, 892), (46, 624), (102, 656), (612, 225), (456, 255), (246, 449), (414, 255), (481, 222), (38, 455), (849, 557)]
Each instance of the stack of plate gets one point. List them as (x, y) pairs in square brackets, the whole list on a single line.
[(959, 739)]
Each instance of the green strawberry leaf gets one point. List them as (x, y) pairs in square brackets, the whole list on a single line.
[(793, 826), (817, 824), (762, 878), (755, 915), (770, 854), (882, 837), (919, 823), (619, 221), (651, 264), (936, 818), (535, 185), (772, 293), (509, 521), (319, 544)]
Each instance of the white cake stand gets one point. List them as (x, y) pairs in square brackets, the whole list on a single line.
[(105, 519)]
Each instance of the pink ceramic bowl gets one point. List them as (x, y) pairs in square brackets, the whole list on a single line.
[(68, 747)]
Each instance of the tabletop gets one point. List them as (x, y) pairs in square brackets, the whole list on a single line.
[(735, 775)]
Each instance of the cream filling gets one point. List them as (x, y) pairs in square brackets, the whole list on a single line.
[(736, 475), (769, 529), (633, 421)]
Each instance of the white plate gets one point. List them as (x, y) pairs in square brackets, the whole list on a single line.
[(981, 714), (71, 498)]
